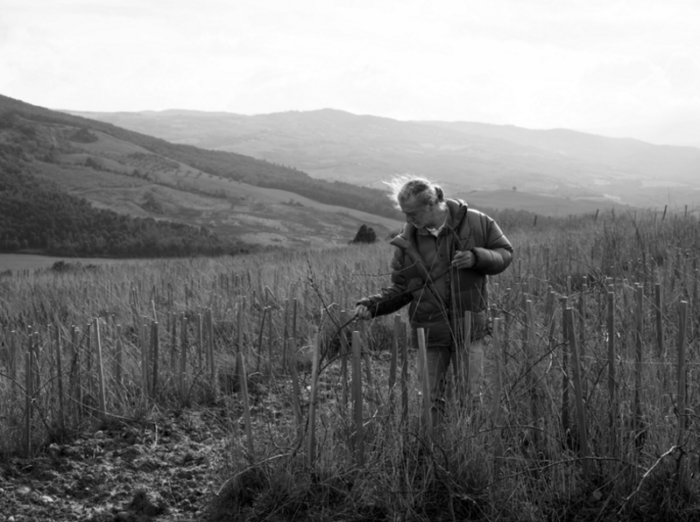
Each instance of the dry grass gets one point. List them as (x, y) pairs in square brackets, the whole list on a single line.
[(408, 476)]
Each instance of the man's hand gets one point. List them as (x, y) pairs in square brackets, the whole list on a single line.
[(361, 312), (464, 259)]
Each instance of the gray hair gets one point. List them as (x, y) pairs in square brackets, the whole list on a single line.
[(404, 188)]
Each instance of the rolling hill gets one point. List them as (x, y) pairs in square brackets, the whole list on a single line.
[(464, 157), (239, 199)]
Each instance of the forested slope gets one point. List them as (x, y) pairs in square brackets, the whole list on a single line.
[(40, 217)]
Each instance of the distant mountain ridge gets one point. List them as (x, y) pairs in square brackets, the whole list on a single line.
[(363, 149), (99, 173)]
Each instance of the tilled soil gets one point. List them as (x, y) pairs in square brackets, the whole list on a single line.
[(162, 469)]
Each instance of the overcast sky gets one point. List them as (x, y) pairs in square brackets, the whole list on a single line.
[(614, 67)]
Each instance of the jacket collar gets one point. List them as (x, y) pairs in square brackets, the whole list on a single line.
[(456, 211)]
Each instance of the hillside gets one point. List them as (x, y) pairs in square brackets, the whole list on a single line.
[(232, 198), (228, 165), (361, 149), (39, 217)]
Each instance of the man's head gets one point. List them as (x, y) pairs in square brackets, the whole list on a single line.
[(420, 200)]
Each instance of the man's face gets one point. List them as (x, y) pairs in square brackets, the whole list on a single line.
[(417, 214)]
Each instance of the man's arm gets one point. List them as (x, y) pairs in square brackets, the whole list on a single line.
[(391, 298), (497, 253)]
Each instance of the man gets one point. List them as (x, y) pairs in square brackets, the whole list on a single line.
[(443, 257)]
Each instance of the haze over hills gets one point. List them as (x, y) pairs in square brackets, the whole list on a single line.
[(464, 157)]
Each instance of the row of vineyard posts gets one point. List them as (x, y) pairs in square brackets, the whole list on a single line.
[(593, 362)]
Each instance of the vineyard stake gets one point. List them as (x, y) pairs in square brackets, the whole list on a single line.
[(311, 441), (425, 382), (120, 362), (496, 414), (100, 369), (29, 392), (296, 391), (240, 362), (210, 347), (89, 380), (144, 361), (364, 335), (532, 377), (269, 346), (566, 424), (404, 374), (285, 333), (155, 341), (183, 357), (172, 319), (345, 353), (239, 332), (260, 337), (659, 324), (578, 391), (639, 294), (682, 389), (202, 355), (612, 384), (13, 362), (359, 442), (294, 319), (394, 357), (75, 371)]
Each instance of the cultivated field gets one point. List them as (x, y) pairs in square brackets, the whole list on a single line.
[(590, 414)]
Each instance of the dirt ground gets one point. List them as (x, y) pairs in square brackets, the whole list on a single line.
[(161, 470)]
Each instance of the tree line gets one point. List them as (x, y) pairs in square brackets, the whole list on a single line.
[(40, 217)]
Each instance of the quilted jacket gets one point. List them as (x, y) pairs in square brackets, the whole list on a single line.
[(422, 274)]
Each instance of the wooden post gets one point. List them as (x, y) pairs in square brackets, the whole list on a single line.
[(404, 374), (269, 345), (75, 387), (425, 384), (532, 377), (496, 414), (144, 360), (294, 318), (210, 348), (200, 341), (311, 441), (578, 391), (565, 384), (345, 354), (639, 294), (172, 318), (120, 360), (612, 383), (284, 333), (182, 370), (260, 338), (155, 350), (100, 370), (460, 362), (359, 442), (365, 354), (394, 358), (29, 395), (682, 389), (659, 323), (239, 329), (59, 377), (240, 362), (292, 363), (13, 362), (88, 358)]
